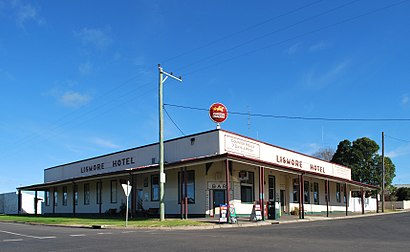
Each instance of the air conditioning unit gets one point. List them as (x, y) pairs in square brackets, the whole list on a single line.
[(243, 175)]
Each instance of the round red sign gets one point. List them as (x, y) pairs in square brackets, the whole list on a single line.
[(218, 112)]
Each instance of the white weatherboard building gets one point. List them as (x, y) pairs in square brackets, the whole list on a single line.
[(202, 171)]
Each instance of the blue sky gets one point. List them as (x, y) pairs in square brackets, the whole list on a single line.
[(79, 78)]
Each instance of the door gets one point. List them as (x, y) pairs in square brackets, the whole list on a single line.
[(282, 200), (218, 199), (271, 195), (140, 200)]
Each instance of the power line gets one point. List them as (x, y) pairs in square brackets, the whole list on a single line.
[(397, 139), (244, 30), (170, 118), (300, 117), (299, 36), (270, 33)]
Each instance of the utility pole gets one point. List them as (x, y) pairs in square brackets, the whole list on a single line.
[(161, 139), (383, 172)]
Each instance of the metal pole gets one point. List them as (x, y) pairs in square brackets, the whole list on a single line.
[(383, 172), (126, 209)]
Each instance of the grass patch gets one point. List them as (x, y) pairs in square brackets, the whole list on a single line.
[(80, 221)]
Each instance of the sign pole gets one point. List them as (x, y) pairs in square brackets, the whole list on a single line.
[(127, 189)]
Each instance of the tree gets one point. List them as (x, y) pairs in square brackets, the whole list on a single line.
[(324, 153), (403, 193), (361, 156)]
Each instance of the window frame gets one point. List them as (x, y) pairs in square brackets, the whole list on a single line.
[(248, 185), (338, 193), (316, 198), (113, 191), (155, 187), (295, 190), (87, 193), (306, 192), (191, 200), (65, 194), (98, 192)]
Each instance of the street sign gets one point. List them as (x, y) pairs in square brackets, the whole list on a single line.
[(127, 188)]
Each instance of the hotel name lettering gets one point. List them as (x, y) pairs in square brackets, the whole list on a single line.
[(102, 166), (299, 164)]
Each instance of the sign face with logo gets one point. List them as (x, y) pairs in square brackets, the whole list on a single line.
[(218, 112)]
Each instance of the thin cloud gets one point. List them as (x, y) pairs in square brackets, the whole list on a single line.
[(321, 80), (400, 151), (98, 38), (105, 143), (405, 99), (318, 46), (26, 13), (6, 75), (73, 99), (293, 49), (85, 68)]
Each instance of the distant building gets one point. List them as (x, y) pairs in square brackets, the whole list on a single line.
[(202, 171), (9, 203), (402, 185)]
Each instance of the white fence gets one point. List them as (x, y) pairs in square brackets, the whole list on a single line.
[(355, 204), (397, 204)]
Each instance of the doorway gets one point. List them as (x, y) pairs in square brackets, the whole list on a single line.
[(271, 195), (218, 197), (282, 200)]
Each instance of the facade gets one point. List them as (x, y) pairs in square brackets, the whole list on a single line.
[(202, 171)]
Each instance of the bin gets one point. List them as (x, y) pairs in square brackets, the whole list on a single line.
[(271, 210)]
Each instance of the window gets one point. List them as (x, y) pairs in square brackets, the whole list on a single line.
[(247, 189), (64, 195), (190, 176), (338, 198), (316, 193), (295, 191), (86, 194), (306, 192), (75, 194), (47, 196), (155, 187), (271, 188), (55, 197), (113, 191), (99, 190)]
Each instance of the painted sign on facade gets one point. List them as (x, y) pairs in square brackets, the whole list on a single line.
[(285, 158)]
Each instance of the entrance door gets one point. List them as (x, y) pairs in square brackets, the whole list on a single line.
[(282, 200), (218, 199), (271, 194)]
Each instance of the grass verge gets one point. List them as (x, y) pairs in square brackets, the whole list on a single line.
[(117, 222)]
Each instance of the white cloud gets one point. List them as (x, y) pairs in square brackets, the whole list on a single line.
[(293, 49), (318, 46), (400, 151), (405, 99), (7, 75), (321, 80), (25, 13), (95, 37), (85, 68), (105, 143), (73, 99)]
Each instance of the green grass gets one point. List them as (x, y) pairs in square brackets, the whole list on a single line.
[(71, 221)]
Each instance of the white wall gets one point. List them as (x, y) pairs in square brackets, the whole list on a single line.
[(9, 203), (355, 204)]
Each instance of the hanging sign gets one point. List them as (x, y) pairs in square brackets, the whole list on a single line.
[(218, 112)]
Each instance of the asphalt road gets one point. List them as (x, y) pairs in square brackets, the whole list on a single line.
[(389, 232)]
